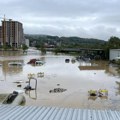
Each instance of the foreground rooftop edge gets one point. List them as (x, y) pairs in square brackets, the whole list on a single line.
[(8, 112)]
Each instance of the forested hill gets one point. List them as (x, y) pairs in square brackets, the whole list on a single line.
[(82, 40), (66, 41)]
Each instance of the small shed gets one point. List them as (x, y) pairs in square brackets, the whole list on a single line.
[(114, 54)]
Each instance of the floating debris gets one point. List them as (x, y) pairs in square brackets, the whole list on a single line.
[(28, 87), (31, 75), (40, 74), (19, 85), (18, 82), (57, 90), (92, 92), (100, 93), (67, 60), (73, 60)]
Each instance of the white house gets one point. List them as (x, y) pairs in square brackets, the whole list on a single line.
[(114, 54)]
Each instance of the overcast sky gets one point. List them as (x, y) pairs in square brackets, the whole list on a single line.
[(84, 18)]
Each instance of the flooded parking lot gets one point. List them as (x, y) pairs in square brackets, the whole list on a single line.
[(75, 79)]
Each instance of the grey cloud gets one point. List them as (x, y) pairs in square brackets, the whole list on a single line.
[(84, 18)]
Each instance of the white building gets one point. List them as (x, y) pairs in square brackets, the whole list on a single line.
[(114, 54), (27, 42)]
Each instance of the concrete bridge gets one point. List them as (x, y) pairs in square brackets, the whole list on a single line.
[(74, 49), (83, 51)]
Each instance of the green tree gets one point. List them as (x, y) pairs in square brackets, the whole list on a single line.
[(114, 43), (37, 46), (24, 48), (57, 50), (42, 48)]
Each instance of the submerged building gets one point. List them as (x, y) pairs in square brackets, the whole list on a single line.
[(11, 33)]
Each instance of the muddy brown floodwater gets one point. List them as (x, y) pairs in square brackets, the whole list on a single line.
[(71, 80)]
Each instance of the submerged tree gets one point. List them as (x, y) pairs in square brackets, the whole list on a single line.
[(24, 48), (43, 50)]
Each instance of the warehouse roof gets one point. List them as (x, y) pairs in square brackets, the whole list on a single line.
[(8, 112)]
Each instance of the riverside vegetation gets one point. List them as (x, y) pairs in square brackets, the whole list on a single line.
[(43, 41)]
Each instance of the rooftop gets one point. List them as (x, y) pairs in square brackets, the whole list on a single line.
[(8, 112)]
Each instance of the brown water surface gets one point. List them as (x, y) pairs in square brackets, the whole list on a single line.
[(76, 77)]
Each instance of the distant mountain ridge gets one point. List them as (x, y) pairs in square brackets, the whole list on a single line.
[(66, 41), (84, 39), (70, 38)]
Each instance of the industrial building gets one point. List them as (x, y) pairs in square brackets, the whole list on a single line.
[(114, 54)]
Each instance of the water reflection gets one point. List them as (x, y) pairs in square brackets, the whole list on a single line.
[(96, 97), (73, 60), (104, 97), (10, 53), (112, 71), (92, 97), (94, 65), (32, 94), (118, 88), (7, 69)]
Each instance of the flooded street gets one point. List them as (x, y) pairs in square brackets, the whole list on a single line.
[(76, 77)]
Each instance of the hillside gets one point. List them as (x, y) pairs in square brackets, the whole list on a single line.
[(65, 41)]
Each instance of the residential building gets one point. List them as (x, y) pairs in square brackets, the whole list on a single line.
[(11, 33), (1, 35), (27, 42)]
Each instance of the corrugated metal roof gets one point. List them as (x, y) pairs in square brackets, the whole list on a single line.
[(8, 112)]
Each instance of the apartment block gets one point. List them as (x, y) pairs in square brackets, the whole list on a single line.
[(1, 38), (11, 33)]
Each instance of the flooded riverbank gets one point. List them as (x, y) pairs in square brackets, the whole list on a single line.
[(77, 78)]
